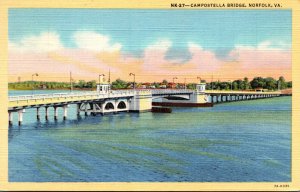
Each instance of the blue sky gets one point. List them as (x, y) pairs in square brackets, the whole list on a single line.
[(216, 30)]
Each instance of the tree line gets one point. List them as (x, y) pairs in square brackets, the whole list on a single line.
[(28, 85), (268, 83)]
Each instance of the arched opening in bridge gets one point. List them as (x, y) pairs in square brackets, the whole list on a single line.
[(121, 105), (109, 106)]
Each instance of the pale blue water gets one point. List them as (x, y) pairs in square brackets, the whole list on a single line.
[(239, 141)]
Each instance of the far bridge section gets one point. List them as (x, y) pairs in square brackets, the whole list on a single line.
[(181, 97), (105, 100), (219, 96)]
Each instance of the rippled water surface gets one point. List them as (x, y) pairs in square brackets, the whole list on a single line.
[(239, 141)]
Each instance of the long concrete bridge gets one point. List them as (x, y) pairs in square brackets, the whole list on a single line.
[(105, 100)]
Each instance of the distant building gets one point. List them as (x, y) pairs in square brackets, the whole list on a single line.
[(43, 86), (260, 89), (171, 85)]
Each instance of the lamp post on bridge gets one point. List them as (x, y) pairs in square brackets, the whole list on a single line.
[(35, 74), (71, 82), (199, 79), (132, 74), (174, 79)]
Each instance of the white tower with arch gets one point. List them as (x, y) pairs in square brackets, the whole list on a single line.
[(103, 87), (200, 87)]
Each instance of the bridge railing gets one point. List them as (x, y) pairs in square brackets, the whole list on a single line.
[(241, 92), (170, 91), (112, 93), (69, 95)]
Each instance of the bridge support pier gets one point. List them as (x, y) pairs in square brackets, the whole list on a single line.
[(78, 108), (55, 113), (46, 113), (141, 102), (220, 98), (86, 109), (38, 113), (102, 109), (20, 116), (224, 98), (65, 107), (10, 116)]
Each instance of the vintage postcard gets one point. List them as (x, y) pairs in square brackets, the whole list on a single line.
[(150, 95)]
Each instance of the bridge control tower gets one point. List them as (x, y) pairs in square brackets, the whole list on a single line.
[(200, 87), (103, 86)]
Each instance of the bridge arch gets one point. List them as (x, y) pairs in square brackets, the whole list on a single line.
[(121, 105), (109, 106)]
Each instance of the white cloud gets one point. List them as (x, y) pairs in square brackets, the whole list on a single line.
[(44, 42), (266, 46), (193, 47), (162, 45), (93, 41)]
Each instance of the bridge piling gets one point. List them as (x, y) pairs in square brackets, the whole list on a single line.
[(78, 108), (46, 113), (102, 109), (65, 107), (55, 113), (37, 113), (20, 116), (86, 109), (10, 116)]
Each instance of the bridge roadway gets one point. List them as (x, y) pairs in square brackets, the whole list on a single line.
[(123, 100)]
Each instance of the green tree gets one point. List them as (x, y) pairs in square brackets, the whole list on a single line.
[(270, 83), (91, 84), (257, 82), (289, 84), (155, 84), (191, 86), (119, 84), (235, 85), (246, 84), (281, 84), (81, 83)]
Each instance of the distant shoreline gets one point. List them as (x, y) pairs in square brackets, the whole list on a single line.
[(66, 89)]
